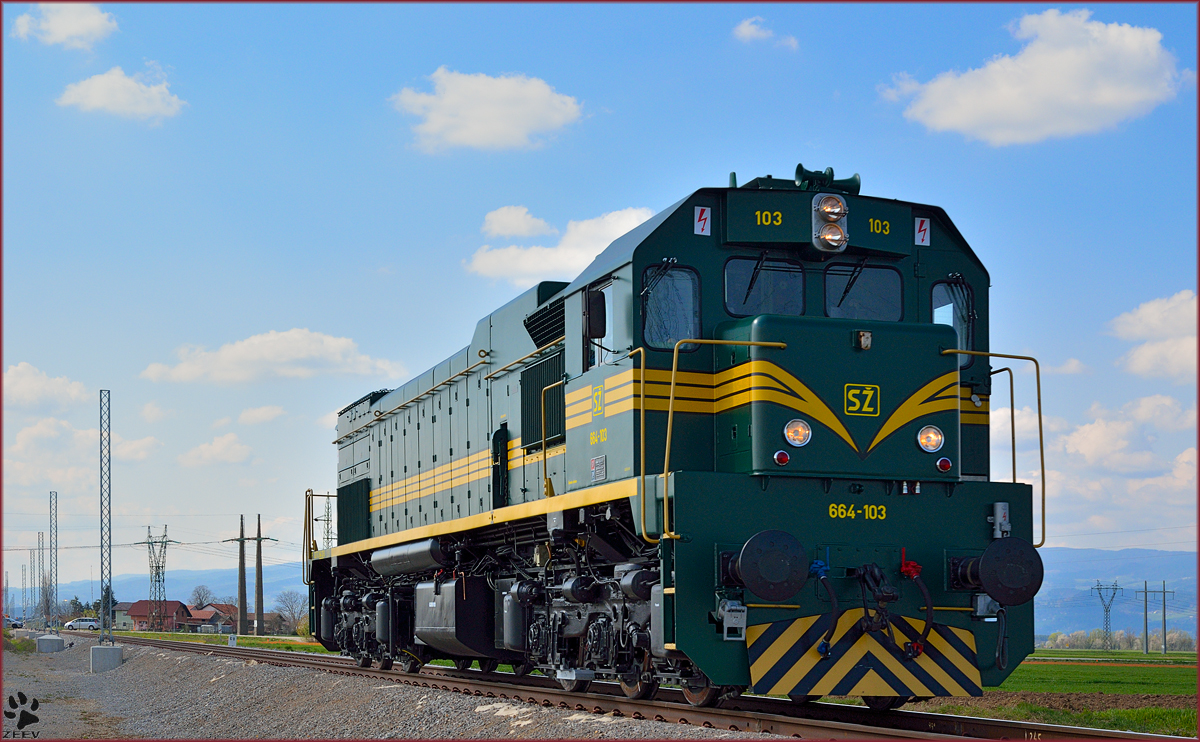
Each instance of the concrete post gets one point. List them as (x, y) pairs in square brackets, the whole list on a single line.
[(243, 623), (259, 628)]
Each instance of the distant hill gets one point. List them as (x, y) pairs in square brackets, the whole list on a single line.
[(1064, 603), (180, 582)]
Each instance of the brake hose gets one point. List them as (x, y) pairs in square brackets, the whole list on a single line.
[(1002, 640), (820, 570), (912, 570)]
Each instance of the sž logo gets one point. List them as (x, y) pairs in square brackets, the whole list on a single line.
[(21, 708), (861, 399)]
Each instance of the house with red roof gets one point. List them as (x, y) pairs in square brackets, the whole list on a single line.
[(175, 615)]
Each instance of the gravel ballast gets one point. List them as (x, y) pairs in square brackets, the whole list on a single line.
[(163, 694)]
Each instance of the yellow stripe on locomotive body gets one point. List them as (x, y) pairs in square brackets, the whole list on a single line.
[(785, 659)]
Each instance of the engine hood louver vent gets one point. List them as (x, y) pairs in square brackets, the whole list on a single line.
[(547, 324)]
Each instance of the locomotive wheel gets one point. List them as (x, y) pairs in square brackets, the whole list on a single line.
[(523, 668), (884, 703), (575, 686), (385, 663), (705, 695), (462, 664), (363, 661), (646, 684), (488, 665), (410, 663)]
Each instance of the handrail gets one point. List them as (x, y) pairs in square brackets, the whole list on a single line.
[(380, 415), (502, 369), (1037, 371), (642, 426), (547, 487), (306, 545), (1012, 417), (666, 530)]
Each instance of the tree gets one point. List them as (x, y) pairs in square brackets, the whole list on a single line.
[(98, 605), (227, 600), (291, 606), (202, 596), (75, 608)]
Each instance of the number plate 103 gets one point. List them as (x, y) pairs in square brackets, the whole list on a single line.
[(868, 512)]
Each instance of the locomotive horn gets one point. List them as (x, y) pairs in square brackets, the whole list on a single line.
[(812, 180)]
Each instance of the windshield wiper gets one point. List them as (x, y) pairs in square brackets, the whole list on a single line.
[(663, 267), (853, 277), (754, 276)]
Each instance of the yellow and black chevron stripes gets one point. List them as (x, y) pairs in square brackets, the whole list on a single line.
[(461, 471), (940, 394), (784, 659)]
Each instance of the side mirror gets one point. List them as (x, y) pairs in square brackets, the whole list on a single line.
[(596, 327)]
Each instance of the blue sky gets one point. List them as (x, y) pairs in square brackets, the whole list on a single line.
[(240, 218)]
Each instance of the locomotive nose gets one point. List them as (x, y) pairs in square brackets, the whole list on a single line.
[(772, 565)]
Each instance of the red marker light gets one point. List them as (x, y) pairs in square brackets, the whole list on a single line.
[(943, 464), (781, 458)]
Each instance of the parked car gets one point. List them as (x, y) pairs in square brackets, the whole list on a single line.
[(83, 623), (13, 623)]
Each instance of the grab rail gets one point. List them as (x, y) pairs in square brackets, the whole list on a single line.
[(1037, 370), (1012, 417), (666, 530), (547, 487), (523, 358)]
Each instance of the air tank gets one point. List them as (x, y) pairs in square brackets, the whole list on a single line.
[(405, 559)]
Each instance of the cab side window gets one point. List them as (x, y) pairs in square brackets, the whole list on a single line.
[(952, 306), (670, 306)]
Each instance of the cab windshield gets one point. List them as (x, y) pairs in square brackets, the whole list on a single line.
[(764, 286)]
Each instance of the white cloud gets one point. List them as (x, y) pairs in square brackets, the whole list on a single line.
[(256, 415), (27, 386), (582, 242), (224, 449), (484, 112), (514, 221), (296, 353), (1161, 411), (221, 422), (1181, 479), (790, 42), (1169, 317), (328, 420), (1027, 425), (1105, 443), (152, 413), (1074, 76), (1072, 366), (74, 25), (52, 452), (1168, 325), (749, 30), (143, 96)]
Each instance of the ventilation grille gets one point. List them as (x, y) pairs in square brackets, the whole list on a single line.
[(547, 324), (533, 380)]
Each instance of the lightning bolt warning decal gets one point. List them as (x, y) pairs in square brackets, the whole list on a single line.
[(703, 225), (922, 232)]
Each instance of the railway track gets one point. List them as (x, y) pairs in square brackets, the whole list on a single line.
[(746, 713)]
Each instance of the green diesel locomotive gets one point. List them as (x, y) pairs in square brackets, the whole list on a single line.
[(747, 448)]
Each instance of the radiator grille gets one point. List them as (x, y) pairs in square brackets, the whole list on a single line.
[(547, 324), (533, 380)]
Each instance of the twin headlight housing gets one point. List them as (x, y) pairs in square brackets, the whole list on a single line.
[(829, 230), (798, 433)]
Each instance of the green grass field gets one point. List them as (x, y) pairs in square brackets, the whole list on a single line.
[(1175, 680), (1121, 655), (1176, 722), (289, 643)]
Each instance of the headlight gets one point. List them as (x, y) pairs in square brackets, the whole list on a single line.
[(831, 208), (831, 237), (797, 433), (930, 438)]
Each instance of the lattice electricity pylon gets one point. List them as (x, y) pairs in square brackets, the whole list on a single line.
[(24, 596), (1112, 590), (106, 607), (42, 577), (33, 588), (54, 559), (158, 578), (327, 519)]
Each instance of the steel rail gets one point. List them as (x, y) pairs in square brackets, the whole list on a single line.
[(745, 713)]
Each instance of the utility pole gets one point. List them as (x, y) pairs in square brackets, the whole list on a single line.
[(33, 588), (259, 628), (54, 558), (241, 541), (1112, 591), (24, 596), (1146, 615), (42, 578), (106, 608)]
